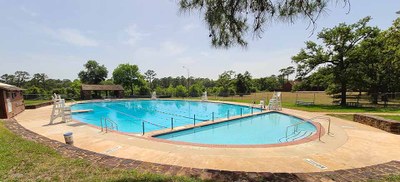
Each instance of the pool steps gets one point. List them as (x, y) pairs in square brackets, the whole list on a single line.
[(296, 136)]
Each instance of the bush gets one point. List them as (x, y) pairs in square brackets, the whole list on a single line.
[(195, 90), (181, 91)]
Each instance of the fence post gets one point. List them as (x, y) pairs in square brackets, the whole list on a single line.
[(142, 127), (194, 119), (251, 110), (172, 123), (241, 111), (228, 114), (213, 116)]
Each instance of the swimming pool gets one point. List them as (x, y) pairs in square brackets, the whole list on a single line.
[(268, 128), (133, 116)]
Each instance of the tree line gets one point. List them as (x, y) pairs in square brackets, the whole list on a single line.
[(350, 57), (136, 83)]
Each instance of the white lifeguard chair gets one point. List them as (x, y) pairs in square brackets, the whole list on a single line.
[(60, 110), (204, 96), (275, 103)]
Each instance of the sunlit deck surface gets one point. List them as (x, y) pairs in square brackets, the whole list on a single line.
[(352, 145)]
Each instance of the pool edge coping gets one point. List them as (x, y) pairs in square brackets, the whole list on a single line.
[(311, 138)]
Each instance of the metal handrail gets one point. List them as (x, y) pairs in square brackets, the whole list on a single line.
[(111, 122), (296, 125), (325, 118)]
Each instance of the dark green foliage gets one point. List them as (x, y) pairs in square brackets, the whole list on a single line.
[(150, 75), (270, 83), (93, 73), (244, 83), (337, 52), (128, 76), (180, 91), (195, 90), (229, 21)]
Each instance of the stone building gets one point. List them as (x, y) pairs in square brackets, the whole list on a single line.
[(101, 91)]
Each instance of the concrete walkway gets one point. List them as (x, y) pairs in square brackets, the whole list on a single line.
[(352, 145)]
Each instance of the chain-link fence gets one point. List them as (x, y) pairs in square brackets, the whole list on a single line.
[(355, 99)]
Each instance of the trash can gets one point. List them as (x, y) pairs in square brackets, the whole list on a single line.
[(68, 138)]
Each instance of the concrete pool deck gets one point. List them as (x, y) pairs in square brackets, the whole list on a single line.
[(353, 145)]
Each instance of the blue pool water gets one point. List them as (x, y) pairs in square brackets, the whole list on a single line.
[(155, 114), (266, 128)]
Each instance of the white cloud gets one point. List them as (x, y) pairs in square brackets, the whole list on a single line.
[(75, 37), (190, 27), (172, 48), (134, 35), (71, 36), (187, 60)]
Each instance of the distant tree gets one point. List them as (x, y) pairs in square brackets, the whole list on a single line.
[(127, 75), (39, 79), (73, 91), (93, 73), (21, 77), (180, 91), (34, 91), (270, 83), (243, 83), (150, 75), (336, 52), (380, 58), (107, 82), (322, 79), (171, 91), (229, 21), (225, 81), (195, 90), (8, 79), (287, 72), (240, 84)]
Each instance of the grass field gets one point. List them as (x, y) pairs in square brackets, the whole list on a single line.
[(392, 117), (34, 102), (323, 102), (23, 160)]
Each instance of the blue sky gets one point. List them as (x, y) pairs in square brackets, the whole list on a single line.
[(57, 37)]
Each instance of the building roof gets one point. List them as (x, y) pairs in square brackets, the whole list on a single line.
[(4, 86), (102, 87)]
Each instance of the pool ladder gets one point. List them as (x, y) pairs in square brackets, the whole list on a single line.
[(108, 124), (296, 128)]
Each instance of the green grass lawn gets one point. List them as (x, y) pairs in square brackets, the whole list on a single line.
[(318, 107), (335, 108), (23, 160), (392, 117), (34, 102)]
